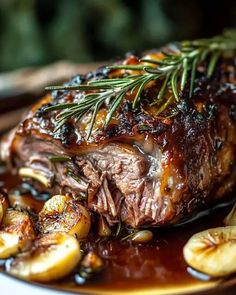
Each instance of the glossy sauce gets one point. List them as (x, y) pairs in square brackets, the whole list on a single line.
[(129, 266)]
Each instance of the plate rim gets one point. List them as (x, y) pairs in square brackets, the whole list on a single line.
[(201, 288)]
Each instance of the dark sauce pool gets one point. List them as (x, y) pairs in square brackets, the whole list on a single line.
[(129, 266)]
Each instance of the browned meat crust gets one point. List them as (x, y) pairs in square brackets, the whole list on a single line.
[(143, 169)]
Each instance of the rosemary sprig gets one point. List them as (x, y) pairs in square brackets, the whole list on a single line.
[(173, 71)]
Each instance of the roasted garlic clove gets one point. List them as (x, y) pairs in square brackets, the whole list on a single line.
[(64, 214), (10, 244), (92, 261), (212, 251), (103, 228), (18, 222), (36, 175), (16, 234), (90, 265), (52, 257), (230, 219), (142, 236)]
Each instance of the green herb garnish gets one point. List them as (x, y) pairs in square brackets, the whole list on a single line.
[(174, 71), (55, 159)]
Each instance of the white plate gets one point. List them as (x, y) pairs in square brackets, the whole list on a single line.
[(12, 286)]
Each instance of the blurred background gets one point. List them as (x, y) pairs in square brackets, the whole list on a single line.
[(45, 42), (38, 32)]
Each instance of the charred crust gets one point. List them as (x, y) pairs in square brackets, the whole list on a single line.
[(100, 73), (193, 113), (210, 110), (66, 134), (40, 112)]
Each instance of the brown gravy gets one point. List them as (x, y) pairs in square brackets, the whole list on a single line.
[(129, 266)]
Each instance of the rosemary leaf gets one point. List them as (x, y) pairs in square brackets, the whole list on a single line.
[(118, 229), (109, 82), (62, 87), (203, 54), (59, 107), (165, 105), (174, 86), (127, 67), (163, 87), (184, 74), (96, 109), (192, 78), (55, 159), (155, 62), (115, 104), (139, 92), (211, 66)]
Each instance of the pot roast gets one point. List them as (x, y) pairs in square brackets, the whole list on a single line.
[(142, 169)]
